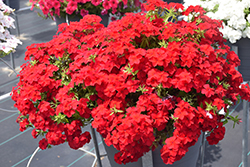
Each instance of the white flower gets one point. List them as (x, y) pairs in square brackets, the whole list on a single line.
[(8, 42), (237, 22), (209, 115), (222, 112), (234, 35), (1, 29), (5, 47), (5, 8), (231, 12), (245, 3)]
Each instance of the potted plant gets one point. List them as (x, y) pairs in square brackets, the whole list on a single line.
[(235, 15), (156, 81), (75, 10)]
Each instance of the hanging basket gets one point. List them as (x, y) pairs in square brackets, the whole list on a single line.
[(111, 151), (243, 49), (189, 160)]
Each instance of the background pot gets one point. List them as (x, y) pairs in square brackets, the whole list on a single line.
[(14, 4), (243, 51), (175, 1), (60, 20), (111, 151), (189, 160)]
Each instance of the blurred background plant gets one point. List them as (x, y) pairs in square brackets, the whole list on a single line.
[(235, 15), (80, 8), (8, 42)]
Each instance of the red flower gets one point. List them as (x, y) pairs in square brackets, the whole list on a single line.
[(216, 135), (84, 12), (71, 7), (106, 4), (23, 124), (43, 144), (96, 2), (113, 3), (194, 9), (207, 90)]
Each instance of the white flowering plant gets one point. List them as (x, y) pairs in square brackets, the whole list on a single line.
[(8, 42), (235, 15)]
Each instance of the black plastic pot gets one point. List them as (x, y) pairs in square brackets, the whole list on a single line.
[(14, 4), (175, 1), (189, 160), (60, 20), (111, 151), (243, 51)]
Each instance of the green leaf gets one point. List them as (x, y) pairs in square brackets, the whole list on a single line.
[(226, 85), (115, 111), (198, 21), (247, 24), (129, 70), (174, 118), (92, 57), (215, 9), (210, 107), (235, 119), (163, 43), (225, 122), (201, 105), (60, 118), (142, 89), (247, 11)]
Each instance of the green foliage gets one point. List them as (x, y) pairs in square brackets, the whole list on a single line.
[(215, 9), (115, 111), (130, 70), (60, 118)]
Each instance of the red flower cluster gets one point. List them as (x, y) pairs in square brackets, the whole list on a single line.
[(44, 99), (143, 81)]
